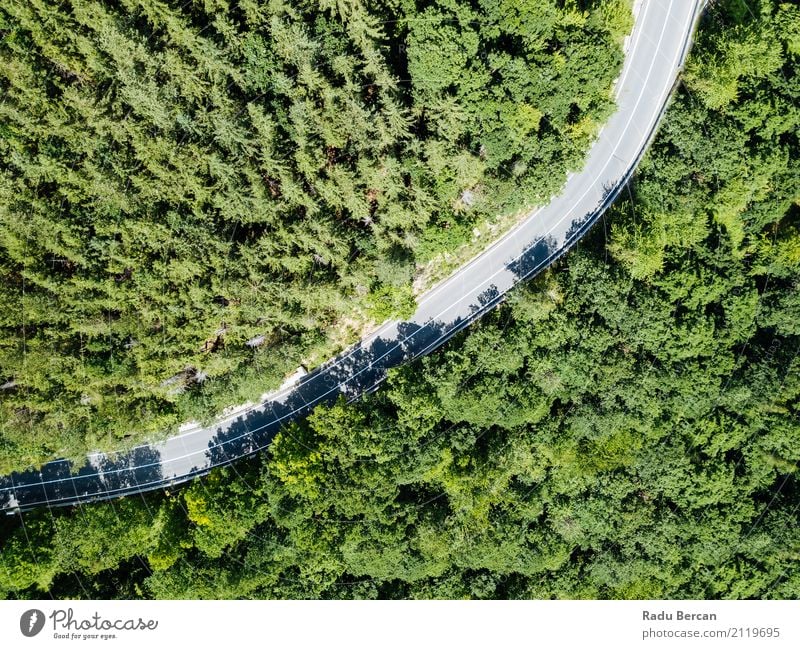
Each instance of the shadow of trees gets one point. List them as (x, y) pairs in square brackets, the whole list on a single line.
[(101, 478), (353, 373)]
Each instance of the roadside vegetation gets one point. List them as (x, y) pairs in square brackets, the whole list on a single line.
[(197, 197), (626, 426)]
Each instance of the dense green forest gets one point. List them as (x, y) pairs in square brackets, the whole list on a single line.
[(625, 426), (196, 197)]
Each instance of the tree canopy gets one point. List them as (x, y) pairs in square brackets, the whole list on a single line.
[(625, 426), (197, 197)]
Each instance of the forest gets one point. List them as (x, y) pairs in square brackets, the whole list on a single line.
[(627, 425), (196, 198)]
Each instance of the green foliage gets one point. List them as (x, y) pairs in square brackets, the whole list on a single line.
[(440, 53), (621, 428), (390, 302), (177, 180)]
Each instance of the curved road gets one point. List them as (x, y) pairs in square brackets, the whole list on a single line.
[(656, 50)]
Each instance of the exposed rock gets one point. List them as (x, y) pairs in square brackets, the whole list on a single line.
[(256, 341), (172, 380)]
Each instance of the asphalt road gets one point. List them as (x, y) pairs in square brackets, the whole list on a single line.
[(655, 54)]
